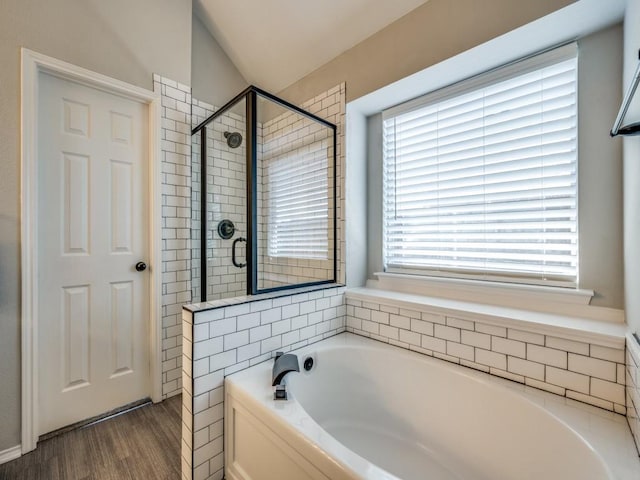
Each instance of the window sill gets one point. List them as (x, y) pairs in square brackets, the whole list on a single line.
[(598, 332), (544, 299)]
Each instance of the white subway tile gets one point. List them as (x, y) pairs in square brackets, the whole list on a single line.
[(480, 340), (491, 330), (509, 347), (433, 318), (307, 307), (222, 360), (525, 368), (432, 343), (283, 326), (222, 327), (567, 345), (460, 351), (400, 321), (613, 392), (425, 328), (544, 386), (406, 312), (249, 320), (447, 333), (527, 337), (390, 309), (207, 348), (290, 338), (380, 317), (409, 337), (271, 315), (491, 359), (208, 382), (248, 351), (389, 332), (548, 356), (371, 327), (593, 367), (597, 402), (569, 380), (460, 323), (271, 344), (259, 333), (292, 310), (606, 353), (235, 340), (363, 313)]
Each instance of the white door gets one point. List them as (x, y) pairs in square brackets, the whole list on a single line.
[(93, 305)]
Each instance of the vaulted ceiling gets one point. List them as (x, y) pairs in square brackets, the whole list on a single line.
[(274, 43)]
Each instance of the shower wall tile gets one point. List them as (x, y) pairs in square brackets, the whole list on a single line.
[(176, 224), (226, 199), (540, 361), (287, 135), (245, 334), (632, 380)]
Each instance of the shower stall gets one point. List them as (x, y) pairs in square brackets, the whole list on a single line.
[(264, 198)]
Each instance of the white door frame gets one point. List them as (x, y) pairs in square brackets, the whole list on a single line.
[(32, 64)]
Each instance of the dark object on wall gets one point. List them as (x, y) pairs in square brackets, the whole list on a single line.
[(632, 128), (226, 229), (233, 253), (308, 363), (234, 139)]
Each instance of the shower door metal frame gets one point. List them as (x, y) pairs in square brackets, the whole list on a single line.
[(250, 95)]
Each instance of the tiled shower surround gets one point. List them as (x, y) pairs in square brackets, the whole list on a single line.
[(176, 213), (226, 199), (291, 135), (633, 387), (589, 373), (285, 134), (226, 338)]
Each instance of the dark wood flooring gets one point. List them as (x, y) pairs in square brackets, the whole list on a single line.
[(143, 444)]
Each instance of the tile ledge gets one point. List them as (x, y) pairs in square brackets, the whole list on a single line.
[(603, 333), (227, 302)]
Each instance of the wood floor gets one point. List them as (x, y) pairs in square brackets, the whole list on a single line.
[(140, 445)]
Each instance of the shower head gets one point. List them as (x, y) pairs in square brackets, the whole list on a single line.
[(234, 139)]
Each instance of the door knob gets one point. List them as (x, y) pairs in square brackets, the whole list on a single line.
[(141, 266)]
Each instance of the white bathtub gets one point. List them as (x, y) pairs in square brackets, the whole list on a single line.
[(368, 410)]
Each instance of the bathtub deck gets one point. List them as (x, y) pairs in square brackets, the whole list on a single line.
[(142, 444)]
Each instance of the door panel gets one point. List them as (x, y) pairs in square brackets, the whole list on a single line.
[(93, 338)]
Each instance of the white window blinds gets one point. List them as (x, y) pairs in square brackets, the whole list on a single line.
[(299, 204), (480, 178)]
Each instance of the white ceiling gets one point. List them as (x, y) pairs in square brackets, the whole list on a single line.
[(274, 43)]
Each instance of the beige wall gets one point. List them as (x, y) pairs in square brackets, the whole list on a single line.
[(214, 78), (632, 173), (433, 32), (126, 40)]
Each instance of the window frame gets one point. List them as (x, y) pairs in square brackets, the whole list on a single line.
[(499, 74)]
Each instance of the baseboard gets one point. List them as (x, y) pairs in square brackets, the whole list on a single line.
[(10, 454)]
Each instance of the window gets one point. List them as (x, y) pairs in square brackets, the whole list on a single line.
[(299, 204), (480, 177)]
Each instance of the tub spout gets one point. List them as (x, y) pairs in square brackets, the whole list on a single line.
[(284, 363)]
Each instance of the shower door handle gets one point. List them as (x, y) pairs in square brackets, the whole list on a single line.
[(233, 252)]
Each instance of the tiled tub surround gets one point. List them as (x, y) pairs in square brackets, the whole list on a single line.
[(225, 336), (633, 387), (176, 212), (552, 359)]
